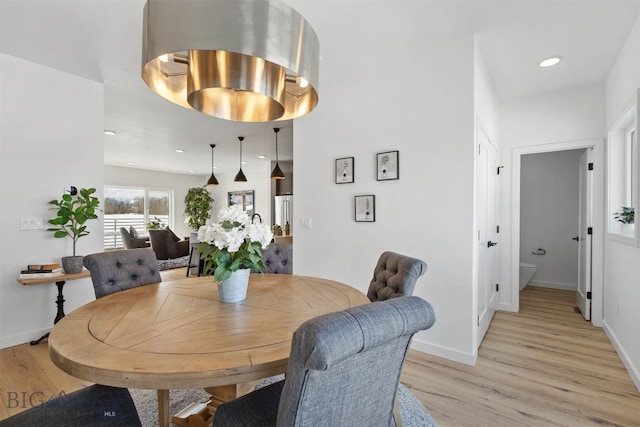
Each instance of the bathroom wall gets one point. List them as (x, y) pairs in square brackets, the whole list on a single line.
[(549, 191)]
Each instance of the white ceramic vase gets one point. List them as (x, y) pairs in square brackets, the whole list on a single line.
[(234, 289)]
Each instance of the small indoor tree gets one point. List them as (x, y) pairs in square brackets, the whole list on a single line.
[(197, 207)]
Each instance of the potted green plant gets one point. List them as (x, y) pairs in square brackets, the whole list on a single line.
[(197, 207), (73, 212), (626, 217)]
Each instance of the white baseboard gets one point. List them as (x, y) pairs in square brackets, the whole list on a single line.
[(626, 360), (22, 338), (444, 352), (554, 285)]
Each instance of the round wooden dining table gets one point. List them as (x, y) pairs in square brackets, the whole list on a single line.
[(176, 334)]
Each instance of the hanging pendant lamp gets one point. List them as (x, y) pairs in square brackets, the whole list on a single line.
[(240, 176), (242, 60), (277, 172), (212, 178)]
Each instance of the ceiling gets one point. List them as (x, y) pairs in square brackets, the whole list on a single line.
[(101, 40)]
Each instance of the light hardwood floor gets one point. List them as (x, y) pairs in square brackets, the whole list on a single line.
[(544, 366)]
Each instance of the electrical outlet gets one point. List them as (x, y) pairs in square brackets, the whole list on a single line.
[(305, 222), (31, 224)]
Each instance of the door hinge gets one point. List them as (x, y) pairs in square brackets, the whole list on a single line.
[(589, 230), (589, 295), (478, 320), (497, 287), (590, 166), (497, 229), (499, 167)]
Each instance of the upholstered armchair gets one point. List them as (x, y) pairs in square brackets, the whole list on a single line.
[(96, 405), (278, 258), (167, 245), (115, 271), (394, 276), (132, 240), (344, 369)]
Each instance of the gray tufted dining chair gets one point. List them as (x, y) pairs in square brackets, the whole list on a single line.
[(395, 275), (116, 271), (343, 370), (278, 258)]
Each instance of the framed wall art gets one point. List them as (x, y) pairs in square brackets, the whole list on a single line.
[(365, 208), (388, 165), (344, 170), (244, 199)]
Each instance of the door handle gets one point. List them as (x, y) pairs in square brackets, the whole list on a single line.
[(577, 238), (490, 243)]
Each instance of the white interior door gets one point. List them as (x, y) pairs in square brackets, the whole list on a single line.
[(487, 192), (583, 296)]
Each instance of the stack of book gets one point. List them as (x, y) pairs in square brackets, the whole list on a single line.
[(40, 271)]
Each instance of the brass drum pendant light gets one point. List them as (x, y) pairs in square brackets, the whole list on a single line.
[(242, 60), (277, 172), (212, 178), (240, 176)]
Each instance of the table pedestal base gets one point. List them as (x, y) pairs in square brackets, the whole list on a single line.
[(199, 415)]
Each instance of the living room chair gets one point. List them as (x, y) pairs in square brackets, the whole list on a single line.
[(115, 271), (167, 245), (394, 276), (96, 406), (278, 258), (132, 240), (344, 369)]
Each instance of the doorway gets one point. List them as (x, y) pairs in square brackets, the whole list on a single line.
[(596, 240)]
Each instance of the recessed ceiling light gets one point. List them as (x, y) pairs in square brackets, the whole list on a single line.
[(243, 162), (262, 156), (109, 132), (179, 150), (550, 62), (190, 171), (130, 163)]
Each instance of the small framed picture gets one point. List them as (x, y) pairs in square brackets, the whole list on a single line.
[(344, 170), (388, 165), (244, 199), (365, 208)]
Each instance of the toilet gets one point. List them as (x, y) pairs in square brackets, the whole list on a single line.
[(527, 271)]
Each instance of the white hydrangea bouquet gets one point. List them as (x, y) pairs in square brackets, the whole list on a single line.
[(233, 243)]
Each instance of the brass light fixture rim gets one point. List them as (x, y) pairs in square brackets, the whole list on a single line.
[(270, 30)]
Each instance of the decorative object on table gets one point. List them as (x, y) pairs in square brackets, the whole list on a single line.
[(626, 215), (231, 245), (240, 175), (388, 165), (40, 274), (244, 199), (277, 172), (213, 181), (73, 212), (365, 208), (345, 170), (154, 224), (197, 207)]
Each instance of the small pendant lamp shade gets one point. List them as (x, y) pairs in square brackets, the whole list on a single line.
[(212, 178), (240, 175), (277, 172)]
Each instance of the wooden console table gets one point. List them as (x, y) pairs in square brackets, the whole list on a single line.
[(59, 281)]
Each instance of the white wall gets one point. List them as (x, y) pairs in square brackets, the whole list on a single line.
[(562, 120), (371, 102), (622, 262), (549, 205), (51, 137)]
